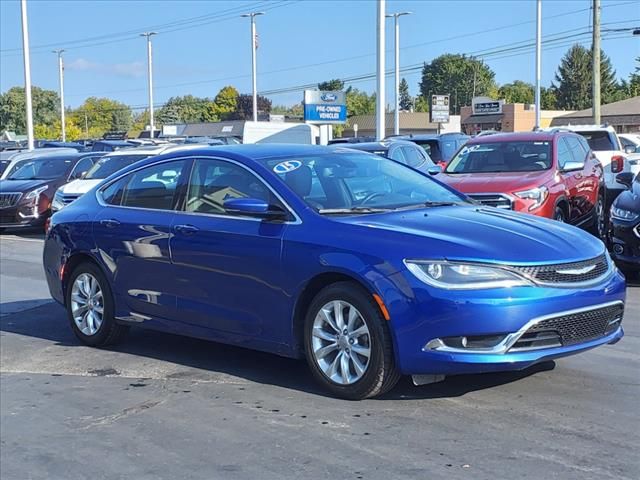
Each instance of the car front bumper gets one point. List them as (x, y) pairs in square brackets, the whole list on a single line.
[(624, 242), (434, 314), (22, 217)]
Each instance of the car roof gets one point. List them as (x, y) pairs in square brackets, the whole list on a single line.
[(40, 152), (587, 128), (116, 143), (539, 136)]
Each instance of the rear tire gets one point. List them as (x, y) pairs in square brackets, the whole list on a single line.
[(347, 343), (90, 307)]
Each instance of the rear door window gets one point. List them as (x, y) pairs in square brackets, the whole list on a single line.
[(414, 159)]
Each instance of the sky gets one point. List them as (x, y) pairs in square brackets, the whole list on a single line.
[(202, 46)]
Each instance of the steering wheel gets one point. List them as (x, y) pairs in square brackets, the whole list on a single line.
[(370, 197)]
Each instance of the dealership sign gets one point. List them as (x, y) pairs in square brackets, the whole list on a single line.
[(439, 109), (323, 107), (486, 106)]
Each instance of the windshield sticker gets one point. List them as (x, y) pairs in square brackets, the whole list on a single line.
[(288, 166)]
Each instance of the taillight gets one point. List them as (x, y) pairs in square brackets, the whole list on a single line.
[(617, 163)]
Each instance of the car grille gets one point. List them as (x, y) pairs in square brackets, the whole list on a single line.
[(67, 198), (496, 200), (567, 273), (9, 199), (571, 328)]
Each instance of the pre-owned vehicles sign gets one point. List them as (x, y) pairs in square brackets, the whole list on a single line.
[(324, 107)]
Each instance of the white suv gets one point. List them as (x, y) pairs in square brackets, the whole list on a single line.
[(107, 165), (606, 146)]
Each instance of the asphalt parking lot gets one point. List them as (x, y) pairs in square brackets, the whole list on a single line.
[(161, 406)]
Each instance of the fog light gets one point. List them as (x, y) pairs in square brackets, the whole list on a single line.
[(618, 249)]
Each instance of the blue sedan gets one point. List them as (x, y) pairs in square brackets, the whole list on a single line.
[(364, 266)]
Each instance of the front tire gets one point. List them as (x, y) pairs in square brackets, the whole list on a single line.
[(347, 343), (599, 219), (559, 215), (90, 307)]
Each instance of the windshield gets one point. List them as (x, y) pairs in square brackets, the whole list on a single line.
[(41, 169), (599, 141), (111, 164), (358, 182), (502, 157)]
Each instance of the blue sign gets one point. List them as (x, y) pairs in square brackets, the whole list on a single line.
[(324, 107)]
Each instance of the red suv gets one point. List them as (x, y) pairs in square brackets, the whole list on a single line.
[(551, 174)]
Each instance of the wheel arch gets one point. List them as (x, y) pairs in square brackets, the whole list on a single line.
[(308, 293), (72, 263)]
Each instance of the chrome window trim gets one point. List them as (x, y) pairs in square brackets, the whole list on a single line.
[(101, 201), (514, 269), (511, 338)]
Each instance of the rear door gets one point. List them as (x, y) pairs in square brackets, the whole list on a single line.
[(132, 236)]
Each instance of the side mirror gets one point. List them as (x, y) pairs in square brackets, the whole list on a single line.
[(435, 170), (625, 178), (570, 166), (252, 207), (630, 149)]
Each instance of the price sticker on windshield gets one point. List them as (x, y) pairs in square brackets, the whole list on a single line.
[(288, 166)]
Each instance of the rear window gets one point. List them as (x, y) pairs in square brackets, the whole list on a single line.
[(432, 148), (502, 157), (599, 140)]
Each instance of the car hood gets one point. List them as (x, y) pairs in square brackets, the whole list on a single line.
[(79, 186), (477, 234), (629, 199), (505, 182), (23, 185)]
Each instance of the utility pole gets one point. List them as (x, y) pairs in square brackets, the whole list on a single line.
[(254, 81), (27, 74), (596, 62), (150, 78), (380, 92), (61, 82), (538, 59), (396, 116)]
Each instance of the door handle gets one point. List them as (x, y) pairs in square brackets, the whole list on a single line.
[(109, 222), (186, 229)]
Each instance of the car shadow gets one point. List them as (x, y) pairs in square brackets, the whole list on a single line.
[(50, 322)]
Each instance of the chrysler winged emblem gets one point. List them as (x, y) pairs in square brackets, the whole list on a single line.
[(576, 271)]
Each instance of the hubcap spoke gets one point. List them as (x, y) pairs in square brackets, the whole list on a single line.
[(341, 342), (86, 304)]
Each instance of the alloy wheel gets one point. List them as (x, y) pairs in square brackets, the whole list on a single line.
[(341, 342), (87, 304)]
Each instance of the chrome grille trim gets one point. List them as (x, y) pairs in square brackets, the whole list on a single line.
[(9, 199), (567, 274), (496, 200)]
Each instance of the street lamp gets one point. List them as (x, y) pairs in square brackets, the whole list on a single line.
[(395, 16), (61, 81), (150, 78), (27, 73), (253, 16)]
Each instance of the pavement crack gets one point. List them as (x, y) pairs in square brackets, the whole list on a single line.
[(127, 412)]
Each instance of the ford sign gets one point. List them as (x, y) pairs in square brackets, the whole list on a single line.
[(329, 97)]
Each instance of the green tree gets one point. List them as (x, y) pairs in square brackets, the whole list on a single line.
[(456, 74), (634, 80), (548, 100), (517, 92), (245, 107), (359, 102), (406, 102), (187, 109), (574, 78), (226, 101), (13, 117), (336, 84), (102, 115), (422, 105)]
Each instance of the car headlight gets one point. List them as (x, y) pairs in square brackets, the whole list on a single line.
[(34, 195), (539, 195), (622, 214), (464, 276), (57, 203)]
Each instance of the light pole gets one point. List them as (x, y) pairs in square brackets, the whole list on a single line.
[(380, 93), (595, 52), (150, 78), (61, 81), (27, 73), (253, 16), (538, 59), (396, 118)]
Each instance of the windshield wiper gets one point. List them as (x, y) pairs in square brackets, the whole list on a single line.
[(346, 211), (431, 204)]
